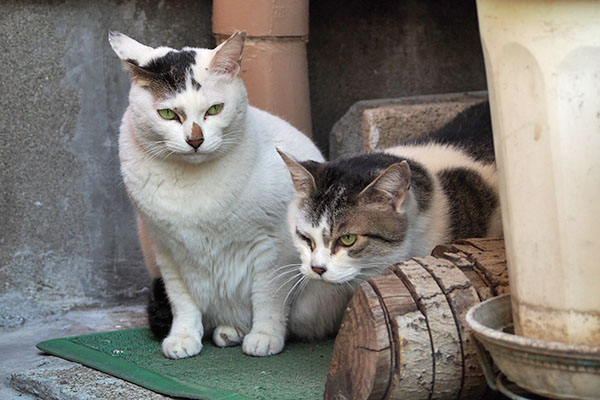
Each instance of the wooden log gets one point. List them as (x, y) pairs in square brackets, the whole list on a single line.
[(412, 371), (461, 296), (361, 360), (404, 335), (446, 349), (482, 257)]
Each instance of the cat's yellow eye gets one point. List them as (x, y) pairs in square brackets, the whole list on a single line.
[(167, 113), (347, 240), (215, 109)]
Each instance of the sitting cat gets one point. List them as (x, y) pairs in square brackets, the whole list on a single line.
[(201, 168), (354, 216)]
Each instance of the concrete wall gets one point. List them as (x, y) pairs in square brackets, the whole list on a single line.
[(67, 233)]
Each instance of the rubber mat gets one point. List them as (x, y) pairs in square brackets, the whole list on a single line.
[(298, 372)]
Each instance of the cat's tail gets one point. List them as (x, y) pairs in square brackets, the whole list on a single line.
[(160, 317)]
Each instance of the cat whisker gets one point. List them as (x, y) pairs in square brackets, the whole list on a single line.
[(292, 289), (289, 265), (279, 276), (282, 267), (305, 282), (299, 290), (288, 281)]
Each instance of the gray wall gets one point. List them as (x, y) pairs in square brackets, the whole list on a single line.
[(67, 232)]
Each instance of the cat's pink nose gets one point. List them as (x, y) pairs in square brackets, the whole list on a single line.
[(197, 137), (318, 269), (195, 143)]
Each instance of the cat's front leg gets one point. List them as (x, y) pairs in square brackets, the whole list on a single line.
[(267, 335), (185, 337)]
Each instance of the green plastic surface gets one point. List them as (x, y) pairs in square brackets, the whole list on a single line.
[(299, 372)]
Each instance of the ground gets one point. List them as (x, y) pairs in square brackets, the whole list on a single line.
[(26, 373)]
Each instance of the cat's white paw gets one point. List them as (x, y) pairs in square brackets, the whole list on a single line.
[(225, 336), (181, 346), (262, 344)]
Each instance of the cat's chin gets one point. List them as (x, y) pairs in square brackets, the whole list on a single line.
[(331, 281), (196, 158)]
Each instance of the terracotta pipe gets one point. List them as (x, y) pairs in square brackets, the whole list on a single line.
[(275, 68)]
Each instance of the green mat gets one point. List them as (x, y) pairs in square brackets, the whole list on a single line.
[(299, 372)]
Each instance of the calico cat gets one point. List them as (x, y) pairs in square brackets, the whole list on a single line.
[(201, 168), (354, 216)]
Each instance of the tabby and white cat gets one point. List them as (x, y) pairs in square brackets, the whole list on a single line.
[(354, 216), (211, 194)]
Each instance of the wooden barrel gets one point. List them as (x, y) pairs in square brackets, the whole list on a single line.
[(404, 334)]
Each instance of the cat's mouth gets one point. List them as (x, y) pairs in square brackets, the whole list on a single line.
[(195, 153)]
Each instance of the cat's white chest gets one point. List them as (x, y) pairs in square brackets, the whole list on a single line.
[(180, 196)]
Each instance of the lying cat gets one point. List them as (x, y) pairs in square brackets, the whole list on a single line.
[(354, 216), (211, 194)]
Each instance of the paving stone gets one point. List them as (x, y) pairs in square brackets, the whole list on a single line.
[(64, 380), (26, 373)]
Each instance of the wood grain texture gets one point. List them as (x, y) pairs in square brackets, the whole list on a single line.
[(461, 296), (412, 368), (404, 335), (482, 260), (446, 348), (361, 361)]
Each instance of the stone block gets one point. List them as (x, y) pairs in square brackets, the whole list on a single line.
[(378, 124)]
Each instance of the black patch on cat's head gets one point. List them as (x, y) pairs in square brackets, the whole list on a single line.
[(195, 84), (172, 68), (472, 202), (339, 182)]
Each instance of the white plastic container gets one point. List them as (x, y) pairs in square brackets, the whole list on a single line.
[(542, 62)]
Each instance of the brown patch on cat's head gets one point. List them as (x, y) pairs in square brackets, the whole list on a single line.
[(149, 80), (196, 132), (372, 223)]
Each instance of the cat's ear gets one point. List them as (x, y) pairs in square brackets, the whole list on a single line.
[(127, 49), (390, 187), (303, 180), (131, 51), (228, 56)]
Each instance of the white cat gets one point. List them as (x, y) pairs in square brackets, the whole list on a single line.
[(211, 193)]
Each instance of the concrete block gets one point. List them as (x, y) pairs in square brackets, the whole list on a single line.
[(378, 124)]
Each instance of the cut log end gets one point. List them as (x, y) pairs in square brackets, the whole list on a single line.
[(404, 335)]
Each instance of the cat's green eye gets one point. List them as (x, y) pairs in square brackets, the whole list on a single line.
[(167, 113), (215, 109), (347, 240)]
